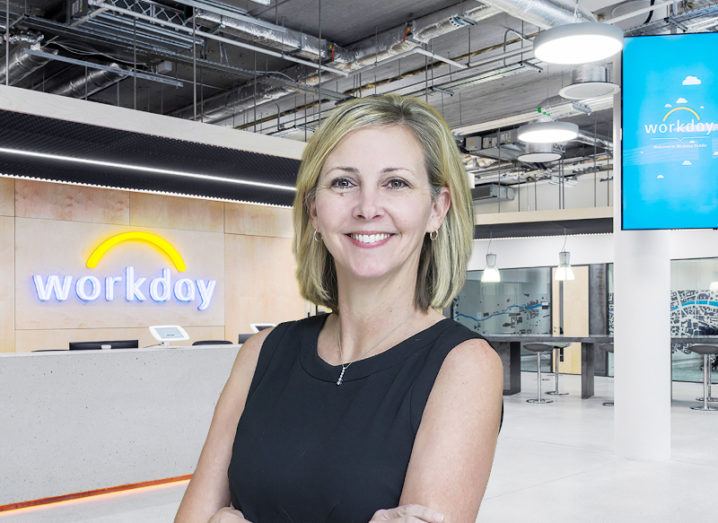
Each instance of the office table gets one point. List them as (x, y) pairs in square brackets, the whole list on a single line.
[(509, 348)]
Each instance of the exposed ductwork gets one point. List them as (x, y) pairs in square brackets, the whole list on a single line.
[(271, 35), (93, 82), (389, 45), (544, 13), (21, 63)]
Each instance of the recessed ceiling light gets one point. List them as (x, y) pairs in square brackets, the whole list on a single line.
[(146, 168), (548, 132), (580, 43)]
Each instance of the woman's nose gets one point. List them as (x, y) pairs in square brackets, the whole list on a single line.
[(368, 205)]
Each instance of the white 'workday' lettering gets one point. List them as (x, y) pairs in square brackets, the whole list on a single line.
[(161, 289), (681, 127)]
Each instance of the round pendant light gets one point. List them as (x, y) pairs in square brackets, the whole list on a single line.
[(539, 153), (589, 81), (548, 132), (580, 43)]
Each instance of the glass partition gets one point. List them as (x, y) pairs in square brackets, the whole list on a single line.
[(519, 304), (694, 312)]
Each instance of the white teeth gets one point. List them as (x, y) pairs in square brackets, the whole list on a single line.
[(370, 238)]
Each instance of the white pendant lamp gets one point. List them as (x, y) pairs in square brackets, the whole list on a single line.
[(548, 131), (564, 272), (539, 153), (589, 81), (491, 273), (578, 43)]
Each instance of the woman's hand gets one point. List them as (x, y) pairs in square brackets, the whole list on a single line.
[(228, 515), (408, 514)]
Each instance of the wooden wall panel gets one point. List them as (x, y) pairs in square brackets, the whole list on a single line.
[(153, 210), (260, 283), (7, 284), (575, 316), (258, 220), (58, 225), (29, 340), (47, 247), (57, 201), (7, 197)]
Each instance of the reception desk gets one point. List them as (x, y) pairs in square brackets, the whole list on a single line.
[(76, 421)]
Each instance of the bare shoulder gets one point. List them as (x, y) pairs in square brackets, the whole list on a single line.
[(246, 361), (473, 358)]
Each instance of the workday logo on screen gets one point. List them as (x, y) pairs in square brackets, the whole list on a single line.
[(128, 286), (682, 116)]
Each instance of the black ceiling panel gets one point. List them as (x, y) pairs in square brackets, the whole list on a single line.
[(553, 228), (59, 137)]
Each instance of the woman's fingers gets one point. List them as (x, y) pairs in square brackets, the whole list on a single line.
[(408, 513)]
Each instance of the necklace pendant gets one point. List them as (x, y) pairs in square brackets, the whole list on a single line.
[(341, 376)]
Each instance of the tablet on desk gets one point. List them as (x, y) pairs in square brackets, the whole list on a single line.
[(168, 333)]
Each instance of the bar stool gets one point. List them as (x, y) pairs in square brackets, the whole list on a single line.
[(706, 351), (609, 348), (538, 349), (557, 348)]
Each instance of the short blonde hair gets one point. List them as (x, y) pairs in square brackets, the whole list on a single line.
[(443, 262)]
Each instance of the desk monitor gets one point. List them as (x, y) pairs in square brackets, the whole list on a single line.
[(256, 327), (97, 345)]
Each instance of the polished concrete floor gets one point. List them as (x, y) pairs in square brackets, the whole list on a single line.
[(554, 463)]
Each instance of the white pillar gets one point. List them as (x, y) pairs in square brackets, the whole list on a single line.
[(642, 354)]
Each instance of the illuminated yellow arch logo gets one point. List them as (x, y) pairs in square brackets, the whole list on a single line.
[(138, 236), (681, 109)]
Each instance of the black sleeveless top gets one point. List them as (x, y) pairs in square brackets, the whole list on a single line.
[(309, 451)]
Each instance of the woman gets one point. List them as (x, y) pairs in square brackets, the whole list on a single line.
[(383, 410)]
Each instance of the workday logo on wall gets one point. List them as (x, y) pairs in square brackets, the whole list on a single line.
[(129, 285)]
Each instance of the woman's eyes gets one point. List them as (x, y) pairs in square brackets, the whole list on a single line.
[(342, 183), (346, 183)]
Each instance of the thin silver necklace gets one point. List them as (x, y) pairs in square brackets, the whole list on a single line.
[(364, 353)]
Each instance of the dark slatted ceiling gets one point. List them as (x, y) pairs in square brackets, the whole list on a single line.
[(48, 135)]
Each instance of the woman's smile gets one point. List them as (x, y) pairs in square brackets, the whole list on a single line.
[(369, 240)]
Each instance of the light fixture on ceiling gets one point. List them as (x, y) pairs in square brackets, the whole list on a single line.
[(491, 273), (578, 43), (589, 81), (547, 130), (564, 272), (144, 168), (539, 153), (714, 286)]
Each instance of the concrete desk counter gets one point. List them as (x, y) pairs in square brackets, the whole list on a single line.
[(75, 421)]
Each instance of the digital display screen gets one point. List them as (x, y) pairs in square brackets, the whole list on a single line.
[(670, 132)]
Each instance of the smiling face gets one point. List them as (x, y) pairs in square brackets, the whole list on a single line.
[(373, 203)]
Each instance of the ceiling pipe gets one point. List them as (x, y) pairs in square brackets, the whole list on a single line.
[(21, 63), (93, 82), (544, 13), (400, 40)]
